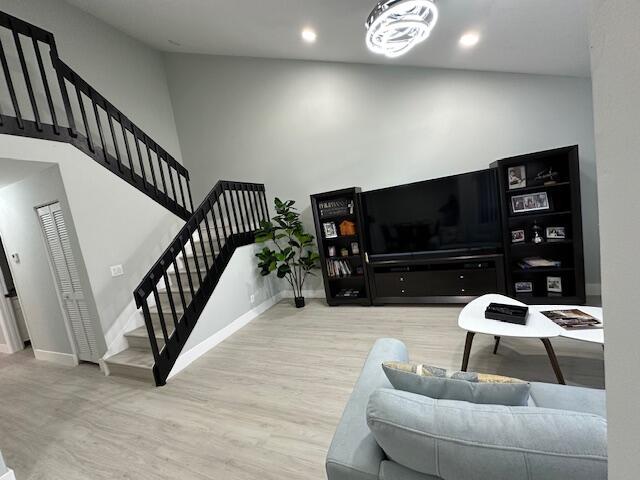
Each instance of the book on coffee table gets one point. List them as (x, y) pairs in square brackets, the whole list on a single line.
[(572, 319)]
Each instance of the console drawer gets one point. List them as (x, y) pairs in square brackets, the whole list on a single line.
[(400, 284)]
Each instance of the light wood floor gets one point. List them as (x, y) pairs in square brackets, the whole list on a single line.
[(262, 405)]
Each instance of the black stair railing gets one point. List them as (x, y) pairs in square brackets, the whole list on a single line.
[(175, 291), (50, 101)]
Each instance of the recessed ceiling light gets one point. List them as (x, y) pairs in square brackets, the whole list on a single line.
[(309, 35), (469, 39), (396, 26)]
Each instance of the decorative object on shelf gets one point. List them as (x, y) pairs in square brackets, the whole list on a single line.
[(331, 251), (348, 293), (524, 287), (537, 262), (347, 228), (396, 26), (335, 207), (517, 177), (556, 233), (330, 230), (294, 257), (355, 248), (554, 284), (517, 236), (530, 202), (537, 233), (344, 252), (547, 176)]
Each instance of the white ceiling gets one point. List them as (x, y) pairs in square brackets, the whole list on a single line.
[(12, 171), (527, 36)]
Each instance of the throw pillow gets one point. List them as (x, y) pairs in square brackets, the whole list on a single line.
[(472, 387)]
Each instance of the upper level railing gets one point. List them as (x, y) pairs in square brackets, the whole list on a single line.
[(43, 97), (175, 291)]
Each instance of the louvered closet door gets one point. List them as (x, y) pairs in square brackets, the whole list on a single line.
[(65, 271)]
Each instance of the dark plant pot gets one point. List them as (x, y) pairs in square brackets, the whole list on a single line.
[(299, 302)]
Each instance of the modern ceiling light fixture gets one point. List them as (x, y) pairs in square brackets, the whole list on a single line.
[(396, 26)]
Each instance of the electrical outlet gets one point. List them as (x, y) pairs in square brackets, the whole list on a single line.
[(253, 299), (117, 271)]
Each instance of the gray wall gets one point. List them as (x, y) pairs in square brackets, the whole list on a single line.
[(22, 234), (615, 67), (127, 72), (306, 127), (115, 223)]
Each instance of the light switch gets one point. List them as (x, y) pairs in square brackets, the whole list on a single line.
[(117, 271)]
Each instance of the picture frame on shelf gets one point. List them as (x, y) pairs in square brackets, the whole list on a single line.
[(330, 230), (524, 287), (355, 248), (331, 251), (530, 202), (517, 236), (556, 233), (554, 285), (517, 177)]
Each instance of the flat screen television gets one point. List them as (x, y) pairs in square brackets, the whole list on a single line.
[(456, 213)]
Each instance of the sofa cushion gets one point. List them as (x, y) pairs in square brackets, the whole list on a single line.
[(465, 441), (564, 397), (354, 453), (438, 383)]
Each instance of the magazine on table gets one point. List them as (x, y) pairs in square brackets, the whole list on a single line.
[(573, 319)]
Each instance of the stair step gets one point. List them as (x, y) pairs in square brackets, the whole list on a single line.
[(139, 338), (132, 363)]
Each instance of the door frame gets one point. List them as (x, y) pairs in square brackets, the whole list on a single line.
[(8, 322)]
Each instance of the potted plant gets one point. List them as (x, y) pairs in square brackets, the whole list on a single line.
[(292, 256)]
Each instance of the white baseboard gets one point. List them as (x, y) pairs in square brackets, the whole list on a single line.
[(4, 348), (305, 293), (8, 476), (130, 319), (67, 359), (186, 358)]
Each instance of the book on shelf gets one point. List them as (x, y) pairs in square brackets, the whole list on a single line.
[(339, 268), (348, 293), (538, 262), (572, 319)]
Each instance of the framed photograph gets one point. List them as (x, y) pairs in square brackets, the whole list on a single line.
[(556, 233), (517, 236), (517, 177), (355, 248), (524, 287), (330, 230), (530, 202), (554, 284)]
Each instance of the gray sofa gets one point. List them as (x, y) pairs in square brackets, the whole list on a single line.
[(560, 435)]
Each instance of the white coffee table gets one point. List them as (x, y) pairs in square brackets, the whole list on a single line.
[(472, 320)]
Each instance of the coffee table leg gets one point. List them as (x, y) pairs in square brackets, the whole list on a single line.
[(495, 347), (467, 351), (554, 360)]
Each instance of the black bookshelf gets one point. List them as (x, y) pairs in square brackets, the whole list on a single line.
[(334, 208), (546, 197)]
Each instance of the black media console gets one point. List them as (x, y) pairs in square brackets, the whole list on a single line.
[(455, 279), (515, 228)]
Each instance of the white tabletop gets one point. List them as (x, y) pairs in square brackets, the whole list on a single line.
[(538, 326)]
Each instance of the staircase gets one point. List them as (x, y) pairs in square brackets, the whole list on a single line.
[(175, 291)]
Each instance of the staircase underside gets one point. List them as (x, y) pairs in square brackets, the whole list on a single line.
[(136, 362)]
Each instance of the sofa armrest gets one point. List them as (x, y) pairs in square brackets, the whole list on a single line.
[(465, 441), (354, 453)]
